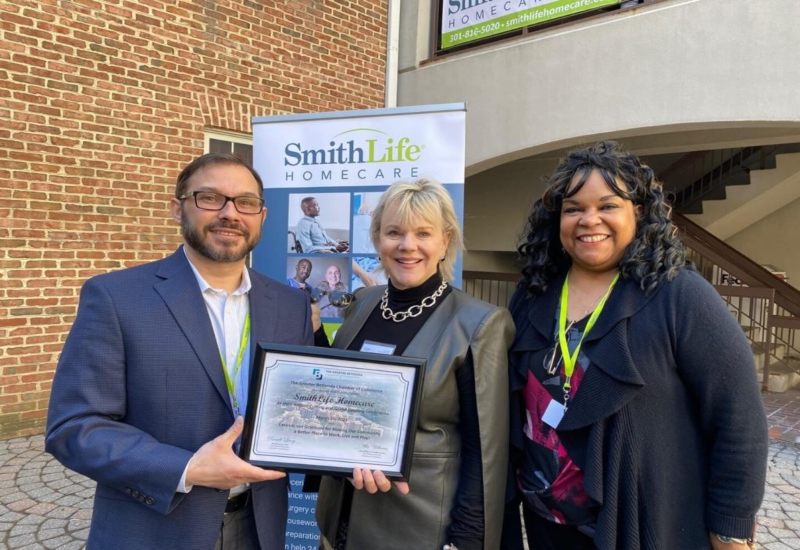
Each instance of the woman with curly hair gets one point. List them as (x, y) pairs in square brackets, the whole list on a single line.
[(636, 415)]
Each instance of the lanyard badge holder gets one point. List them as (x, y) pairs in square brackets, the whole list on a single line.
[(555, 411)]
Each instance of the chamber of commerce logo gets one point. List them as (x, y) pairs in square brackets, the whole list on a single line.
[(317, 373)]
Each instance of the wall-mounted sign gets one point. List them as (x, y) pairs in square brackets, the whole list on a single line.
[(465, 21)]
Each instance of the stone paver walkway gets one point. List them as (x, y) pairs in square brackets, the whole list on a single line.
[(783, 415), (779, 518), (44, 505)]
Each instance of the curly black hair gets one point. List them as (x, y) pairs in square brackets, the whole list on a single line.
[(654, 256)]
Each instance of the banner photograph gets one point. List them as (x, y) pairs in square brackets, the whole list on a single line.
[(323, 174), (465, 21)]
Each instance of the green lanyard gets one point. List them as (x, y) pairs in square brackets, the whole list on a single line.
[(570, 359), (230, 382)]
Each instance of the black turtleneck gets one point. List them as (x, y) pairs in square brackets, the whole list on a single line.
[(386, 331)]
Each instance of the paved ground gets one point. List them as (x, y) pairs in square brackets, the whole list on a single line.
[(783, 415), (42, 505)]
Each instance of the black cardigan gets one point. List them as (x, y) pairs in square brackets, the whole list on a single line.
[(668, 424)]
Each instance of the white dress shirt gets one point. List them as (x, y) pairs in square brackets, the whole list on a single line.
[(227, 313)]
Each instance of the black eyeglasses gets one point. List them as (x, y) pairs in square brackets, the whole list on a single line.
[(208, 200)]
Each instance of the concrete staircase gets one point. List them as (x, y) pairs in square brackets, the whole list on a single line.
[(784, 374), (784, 365), (744, 205), (734, 208)]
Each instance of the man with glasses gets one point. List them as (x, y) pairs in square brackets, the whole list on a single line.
[(152, 383)]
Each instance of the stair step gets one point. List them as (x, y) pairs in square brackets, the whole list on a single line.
[(696, 208), (716, 193), (780, 383), (783, 375), (739, 177), (776, 350)]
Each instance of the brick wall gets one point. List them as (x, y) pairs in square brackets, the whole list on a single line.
[(102, 102)]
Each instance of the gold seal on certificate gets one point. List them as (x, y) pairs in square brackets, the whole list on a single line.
[(329, 410)]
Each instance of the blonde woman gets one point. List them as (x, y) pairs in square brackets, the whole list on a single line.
[(454, 497)]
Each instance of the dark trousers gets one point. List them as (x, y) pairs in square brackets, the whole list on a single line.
[(238, 530), (546, 535)]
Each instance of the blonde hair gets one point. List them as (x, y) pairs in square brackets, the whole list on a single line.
[(428, 199)]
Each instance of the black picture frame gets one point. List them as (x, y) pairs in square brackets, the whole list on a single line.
[(326, 410)]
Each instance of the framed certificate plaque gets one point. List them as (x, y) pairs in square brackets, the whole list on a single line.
[(327, 410)]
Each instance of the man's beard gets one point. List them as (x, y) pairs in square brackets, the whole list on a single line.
[(196, 238)]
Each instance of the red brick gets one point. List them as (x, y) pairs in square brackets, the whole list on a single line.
[(100, 113)]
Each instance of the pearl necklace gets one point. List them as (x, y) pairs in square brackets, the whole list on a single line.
[(413, 311)]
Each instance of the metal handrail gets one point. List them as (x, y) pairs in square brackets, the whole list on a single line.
[(780, 312), (718, 167), (737, 264), (489, 286), (767, 295)]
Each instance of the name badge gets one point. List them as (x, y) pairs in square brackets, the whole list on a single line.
[(554, 413), (378, 347)]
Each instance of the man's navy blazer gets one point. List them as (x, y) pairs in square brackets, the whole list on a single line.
[(139, 388)]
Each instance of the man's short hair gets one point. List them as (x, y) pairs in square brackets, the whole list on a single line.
[(306, 200), (211, 159)]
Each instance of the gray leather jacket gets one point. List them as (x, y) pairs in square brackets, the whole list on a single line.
[(419, 520)]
